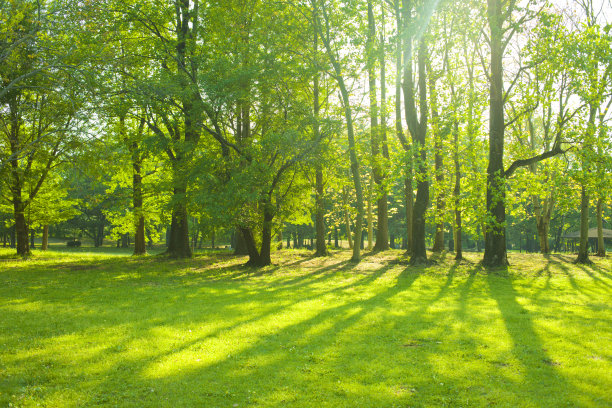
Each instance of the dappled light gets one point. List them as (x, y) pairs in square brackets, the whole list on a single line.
[(310, 330)]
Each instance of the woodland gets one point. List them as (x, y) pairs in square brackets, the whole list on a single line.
[(260, 125), (305, 203)]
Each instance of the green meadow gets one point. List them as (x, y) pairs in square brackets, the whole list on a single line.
[(82, 329)]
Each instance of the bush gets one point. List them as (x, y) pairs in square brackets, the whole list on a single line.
[(74, 243)]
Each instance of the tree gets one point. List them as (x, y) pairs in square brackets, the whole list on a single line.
[(417, 118), (503, 25), (39, 103), (325, 30)]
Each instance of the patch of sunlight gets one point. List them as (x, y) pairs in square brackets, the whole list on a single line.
[(184, 355), (127, 276), (24, 305)]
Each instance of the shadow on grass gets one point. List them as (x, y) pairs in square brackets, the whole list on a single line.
[(287, 338), (527, 346)]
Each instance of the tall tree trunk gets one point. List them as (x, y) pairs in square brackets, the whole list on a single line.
[(383, 210), (320, 216), (347, 218), (21, 226), (543, 214), (370, 218), (382, 229), (601, 245), (251, 246), (438, 245), (457, 194), (418, 131), (409, 202), (99, 233), (178, 246), (408, 191), (495, 234), (348, 115), (583, 252), (319, 202), (266, 236), (45, 238), (139, 220), (262, 257)]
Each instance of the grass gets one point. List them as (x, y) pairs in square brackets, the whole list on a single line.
[(96, 329)]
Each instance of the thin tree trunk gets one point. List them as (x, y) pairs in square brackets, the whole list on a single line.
[(382, 230), (370, 218), (457, 195), (21, 228), (45, 238), (139, 220), (348, 114), (347, 221), (438, 245), (601, 246), (583, 251), (321, 248), (409, 198), (408, 191)]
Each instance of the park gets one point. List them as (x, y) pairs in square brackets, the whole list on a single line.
[(106, 329), (305, 203)]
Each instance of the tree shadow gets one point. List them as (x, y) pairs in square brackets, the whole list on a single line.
[(527, 346), (357, 329)]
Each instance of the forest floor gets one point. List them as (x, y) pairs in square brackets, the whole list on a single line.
[(98, 329)]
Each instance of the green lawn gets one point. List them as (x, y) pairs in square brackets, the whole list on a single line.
[(84, 329)]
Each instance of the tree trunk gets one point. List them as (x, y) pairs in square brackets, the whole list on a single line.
[(409, 202), (457, 195), (495, 234), (438, 245), (348, 230), (262, 257), (240, 246), (601, 245), (99, 235), (21, 227), (124, 241), (408, 191), (13, 240), (321, 248), (382, 230), (320, 216), (418, 131), (336, 243), (583, 251), (543, 227), (179, 247), (139, 220), (347, 218), (348, 114), (45, 238), (370, 219), (249, 241)]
